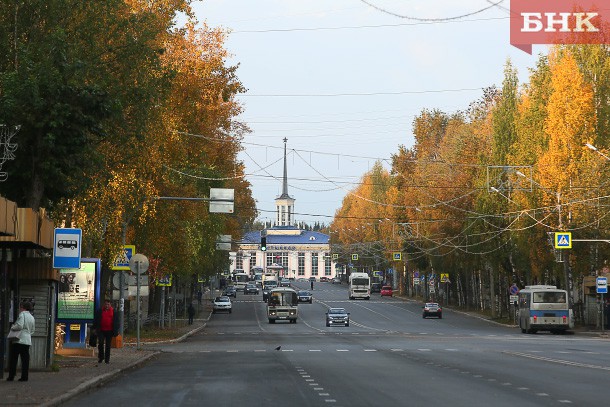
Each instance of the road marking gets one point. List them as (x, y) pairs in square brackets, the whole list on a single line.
[(318, 388), (342, 350), (330, 400), (370, 350), (287, 350), (542, 394), (565, 401), (314, 384), (397, 350), (323, 394), (232, 351), (309, 380), (560, 361), (424, 350), (305, 375), (315, 350), (260, 350)]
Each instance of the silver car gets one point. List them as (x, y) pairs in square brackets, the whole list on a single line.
[(222, 304), (337, 316)]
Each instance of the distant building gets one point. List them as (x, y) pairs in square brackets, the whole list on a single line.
[(301, 253)]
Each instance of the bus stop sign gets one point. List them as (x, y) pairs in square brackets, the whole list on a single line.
[(602, 285)]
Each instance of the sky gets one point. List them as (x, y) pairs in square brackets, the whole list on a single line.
[(342, 81)]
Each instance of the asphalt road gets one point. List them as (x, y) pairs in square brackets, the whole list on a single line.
[(388, 356)]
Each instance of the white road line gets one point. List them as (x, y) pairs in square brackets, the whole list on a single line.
[(232, 351), (424, 350), (323, 394), (565, 401), (260, 350), (370, 350), (342, 350), (287, 350), (397, 350), (560, 361), (315, 350)]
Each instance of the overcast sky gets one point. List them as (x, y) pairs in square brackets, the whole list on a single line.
[(342, 80)]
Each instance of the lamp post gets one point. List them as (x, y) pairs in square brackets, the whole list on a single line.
[(567, 274)]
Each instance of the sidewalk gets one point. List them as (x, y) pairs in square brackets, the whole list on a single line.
[(77, 374)]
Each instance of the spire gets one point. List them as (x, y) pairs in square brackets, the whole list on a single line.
[(285, 181)]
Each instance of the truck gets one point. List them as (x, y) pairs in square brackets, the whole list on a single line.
[(359, 286)]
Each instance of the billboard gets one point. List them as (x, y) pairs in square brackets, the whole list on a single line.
[(78, 292)]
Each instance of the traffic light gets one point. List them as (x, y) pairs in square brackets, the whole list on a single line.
[(264, 243)]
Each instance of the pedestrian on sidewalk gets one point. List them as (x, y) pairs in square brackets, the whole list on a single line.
[(106, 323), (21, 348), (199, 296), (191, 311)]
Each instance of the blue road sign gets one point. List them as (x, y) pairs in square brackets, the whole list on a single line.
[(563, 240), (514, 290), (67, 248), (602, 285)]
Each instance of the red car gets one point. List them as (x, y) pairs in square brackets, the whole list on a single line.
[(386, 290)]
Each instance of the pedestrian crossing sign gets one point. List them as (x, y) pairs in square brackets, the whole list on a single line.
[(354, 256), (563, 240)]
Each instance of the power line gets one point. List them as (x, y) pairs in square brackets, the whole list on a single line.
[(358, 27), (442, 19), (405, 92)]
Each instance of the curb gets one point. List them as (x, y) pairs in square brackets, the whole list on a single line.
[(96, 381)]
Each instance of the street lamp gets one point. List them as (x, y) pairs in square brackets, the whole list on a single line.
[(593, 148)]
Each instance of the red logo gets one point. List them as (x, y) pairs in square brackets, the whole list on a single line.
[(558, 22)]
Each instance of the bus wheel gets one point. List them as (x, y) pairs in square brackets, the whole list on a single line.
[(522, 330), (272, 321)]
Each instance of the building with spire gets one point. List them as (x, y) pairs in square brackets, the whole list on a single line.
[(300, 253)]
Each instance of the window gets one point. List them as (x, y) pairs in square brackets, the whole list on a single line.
[(239, 261), (327, 264), (314, 264), (252, 260), (301, 264)]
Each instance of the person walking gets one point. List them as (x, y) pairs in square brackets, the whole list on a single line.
[(21, 348), (191, 311), (106, 323)]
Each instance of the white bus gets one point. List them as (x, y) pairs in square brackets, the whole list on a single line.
[(359, 286), (240, 279), (544, 308), (282, 305)]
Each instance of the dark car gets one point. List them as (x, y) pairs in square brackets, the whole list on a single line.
[(376, 287), (250, 289), (337, 316), (230, 291), (324, 279), (305, 296), (266, 289), (432, 309)]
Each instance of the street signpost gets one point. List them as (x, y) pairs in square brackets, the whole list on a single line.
[(139, 265), (222, 200), (602, 288), (67, 248)]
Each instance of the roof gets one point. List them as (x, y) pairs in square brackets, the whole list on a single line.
[(305, 237)]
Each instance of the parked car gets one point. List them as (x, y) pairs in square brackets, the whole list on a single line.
[(432, 309), (313, 279), (336, 280), (386, 290), (250, 289), (305, 296), (376, 288), (337, 316), (230, 291), (285, 282), (222, 304), (324, 279)]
